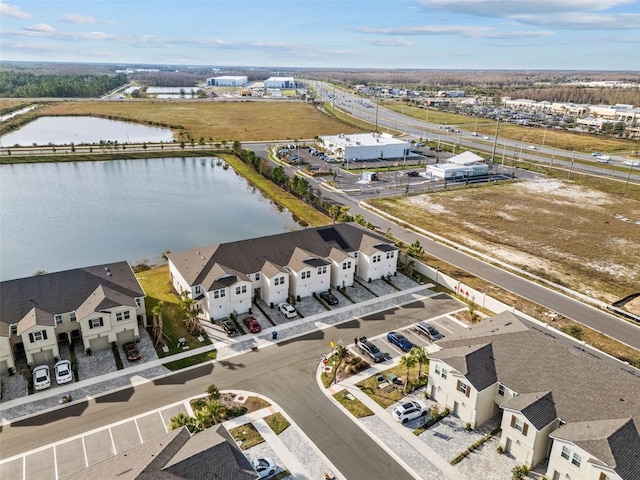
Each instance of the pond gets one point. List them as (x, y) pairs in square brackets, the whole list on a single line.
[(58, 216), (77, 130)]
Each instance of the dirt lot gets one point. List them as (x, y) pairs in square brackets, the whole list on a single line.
[(583, 239)]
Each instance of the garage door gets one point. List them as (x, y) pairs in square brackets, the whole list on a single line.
[(4, 367), (42, 358), (99, 343), (124, 337)]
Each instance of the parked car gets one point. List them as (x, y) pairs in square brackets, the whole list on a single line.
[(63, 372), (596, 154), (229, 328), (264, 466), (413, 173), (372, 351), (131, 351), (252, 324), (41, 377), (287, 310), (409, 410), (400, 341), (329, 297), (430, 332)]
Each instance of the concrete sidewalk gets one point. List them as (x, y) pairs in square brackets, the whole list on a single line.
[(399, 441)]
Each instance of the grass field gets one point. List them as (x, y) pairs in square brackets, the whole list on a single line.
[(228, 121), (553, 138), (583, 239)]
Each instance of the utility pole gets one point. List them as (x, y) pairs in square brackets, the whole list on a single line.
[(573, 157), (376, 97), (495, 140), (628, 177)]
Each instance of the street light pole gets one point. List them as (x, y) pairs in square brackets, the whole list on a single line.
[(495, 140), (573, 157), (628, 177)]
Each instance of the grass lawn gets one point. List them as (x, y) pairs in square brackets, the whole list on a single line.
[(246, 435), (355, 406), (277, 422), (157, 286), (383, 398), (243, 121)]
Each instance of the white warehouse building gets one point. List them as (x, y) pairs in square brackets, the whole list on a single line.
[(365, 146), (280, 82), (465, 165), (227, 81)]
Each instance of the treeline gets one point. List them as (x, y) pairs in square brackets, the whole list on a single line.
[(28, 85), (593, 96)]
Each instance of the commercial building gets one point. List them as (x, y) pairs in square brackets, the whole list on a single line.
[(465, 165), (554, 400), (279, 82), (226, 278), (364, 146), (227, 81)]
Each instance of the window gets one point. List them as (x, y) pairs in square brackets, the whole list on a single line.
[(444, 374), (219, 293), (198, 290), (14, 329), (58, 319), (72, 315), (438, 370), (38, 336), (322, 270), (576, 460), (518, 424), (257, 276), (279, 281), (139, 302), (462, 387), (306, 274), (376, 258), (566, 453), (346, 265), (355, 254), (122, 316), (96, 322), (391, 254), (501, 390), (241, 289)]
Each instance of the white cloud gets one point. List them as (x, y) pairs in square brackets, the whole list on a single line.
[(391, 42), (456, 30), (13, 11), (78, 19), (566, 14), (40, 27)]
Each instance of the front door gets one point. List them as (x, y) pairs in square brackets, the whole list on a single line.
[(455, 408), (507, 446)]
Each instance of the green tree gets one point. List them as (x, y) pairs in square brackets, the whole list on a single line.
[(156, 311), (415, 250), (341, 353), (279, 176), (407, 361), (213, 392), (420, 355), (181, 420), (237, 147)]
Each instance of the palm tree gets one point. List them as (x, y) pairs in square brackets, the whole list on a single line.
[(420, 355), (192, 310), (341, 353), (215, 411), (409, 362), (181, 420), (157, 321)]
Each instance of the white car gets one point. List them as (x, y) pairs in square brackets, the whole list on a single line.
[(287, 310), (41, 377), (485, 137), (409, 410), (532, 147), (265, 467), (63, 372)]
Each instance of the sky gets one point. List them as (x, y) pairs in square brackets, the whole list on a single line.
[(392, 34)]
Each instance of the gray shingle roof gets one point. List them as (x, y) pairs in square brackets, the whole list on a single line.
[(249, 256), (63, 292), (614, 443), (475, 362), (537, 407)]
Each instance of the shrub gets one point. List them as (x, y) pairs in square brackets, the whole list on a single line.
[(575, 331), (500, 449), (519, 472), (213, 392)]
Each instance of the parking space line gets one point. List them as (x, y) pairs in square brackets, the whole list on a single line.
[(113, 443), (135, 421), (55, 461), (84, 449), (24, 467), (442, 327)]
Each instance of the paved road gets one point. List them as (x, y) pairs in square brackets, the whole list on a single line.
[(285, 373)]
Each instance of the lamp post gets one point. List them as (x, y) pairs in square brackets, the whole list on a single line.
[(544, 137)]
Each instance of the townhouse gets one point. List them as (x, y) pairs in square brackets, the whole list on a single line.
[(225, 278), (98, 305), (554, 399)]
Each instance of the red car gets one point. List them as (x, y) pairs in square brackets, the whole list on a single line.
[(131, 351), (252, 324)]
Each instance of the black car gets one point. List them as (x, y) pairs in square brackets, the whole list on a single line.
[(329, 297), (229, 328), (413, 174), (372, 351)]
